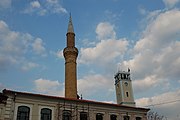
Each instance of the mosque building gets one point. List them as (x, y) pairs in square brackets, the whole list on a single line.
[(16, 105)]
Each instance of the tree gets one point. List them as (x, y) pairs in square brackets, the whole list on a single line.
[(155, 116)]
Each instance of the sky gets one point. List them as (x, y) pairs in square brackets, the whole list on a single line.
[(111, 35)]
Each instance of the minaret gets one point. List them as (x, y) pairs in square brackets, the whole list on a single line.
[(124, 91), (70, 55)]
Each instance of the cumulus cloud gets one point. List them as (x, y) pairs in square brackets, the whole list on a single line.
[(163, 103), (96, 85), (171, 3), (46, 86), (29, 65), (107, 49), (105, 30), (45, 7), (14, 45), (145, 83), (35, 4), (59, 54), (5, 4), (38, 46), (157, 52)]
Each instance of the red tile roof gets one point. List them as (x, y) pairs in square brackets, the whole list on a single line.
[(5, 91)]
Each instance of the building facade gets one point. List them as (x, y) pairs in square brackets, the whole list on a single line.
[(29, 106)]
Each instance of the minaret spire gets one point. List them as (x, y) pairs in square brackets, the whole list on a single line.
[(70, 25), (70, 55)]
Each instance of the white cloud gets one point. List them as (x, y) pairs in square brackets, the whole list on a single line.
[(35, 4), (5, 4), (95, 85), (157, 52), (48, 87), (108, 48), (170, 3), (38, 46), (59, 54), (49, 6), (29, 65), (104, 51), (55, 6), (163, 104), (157, 35), (142, 10), (105, 30), (148, 82), (15, 45)]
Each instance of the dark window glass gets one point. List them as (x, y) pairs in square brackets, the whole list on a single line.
[(99, 116), (66, 115), (138, 118), (23, 113), (113, 117), (126, 118), (46, 114), (83, 115), (127, 94)]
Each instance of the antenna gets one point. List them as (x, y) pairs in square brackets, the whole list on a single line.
[(119, 67)]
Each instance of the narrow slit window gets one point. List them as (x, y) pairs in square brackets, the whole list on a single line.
[(127, 94)]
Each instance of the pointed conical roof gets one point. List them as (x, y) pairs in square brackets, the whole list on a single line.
[(70, 26)]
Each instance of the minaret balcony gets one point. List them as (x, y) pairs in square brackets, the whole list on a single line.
[(70, 51)]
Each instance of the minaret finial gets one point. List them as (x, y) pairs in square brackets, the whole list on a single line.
[(70, 25)]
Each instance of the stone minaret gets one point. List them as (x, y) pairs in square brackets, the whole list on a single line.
[(70, 55), (124, 91)]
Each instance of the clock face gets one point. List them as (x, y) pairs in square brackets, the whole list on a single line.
[(126, 83)]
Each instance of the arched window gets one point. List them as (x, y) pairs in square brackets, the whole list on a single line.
[(83, 115), (126, 118), (99, 116), (138, 118), (23, 113), (113, 117), (46, 114), (66, 115)]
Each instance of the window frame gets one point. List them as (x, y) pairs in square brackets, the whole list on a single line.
[(83, 113), (20, 112), (45, 113), (138, 117), (66, 112), (113, 115), (99, 114), (124, 117)]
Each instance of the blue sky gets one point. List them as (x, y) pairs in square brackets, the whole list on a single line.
[(111, 35)]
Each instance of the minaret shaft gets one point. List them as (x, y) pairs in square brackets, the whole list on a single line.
[(70, 55), (70, 39)]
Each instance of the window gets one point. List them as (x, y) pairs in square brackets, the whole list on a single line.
[(127, 94), (126, 118), (46, 114), (138, 118), (99, 116), (83, 115), (113, 117), (66, 115), (23, 113)]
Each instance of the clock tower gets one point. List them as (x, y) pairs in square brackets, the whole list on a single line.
[(124, 91)]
